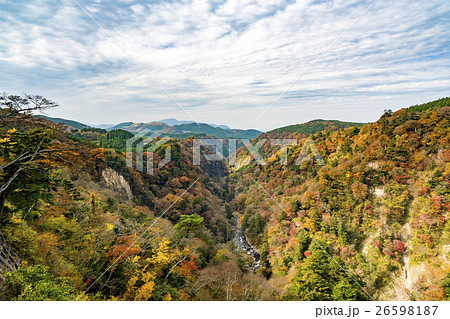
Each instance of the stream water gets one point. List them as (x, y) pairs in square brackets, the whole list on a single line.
[(240, 239)]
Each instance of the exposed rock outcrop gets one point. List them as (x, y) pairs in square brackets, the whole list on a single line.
[(117, 182)]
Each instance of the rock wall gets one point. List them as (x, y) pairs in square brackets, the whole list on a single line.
[(117, 182)]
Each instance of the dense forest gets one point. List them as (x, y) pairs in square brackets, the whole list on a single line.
[(371, 222)]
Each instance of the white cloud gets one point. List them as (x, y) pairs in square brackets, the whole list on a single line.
[(217, 58)]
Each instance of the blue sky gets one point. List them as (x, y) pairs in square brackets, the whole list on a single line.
[(226, 61)]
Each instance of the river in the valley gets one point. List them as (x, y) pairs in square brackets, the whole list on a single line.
[(241, 242)]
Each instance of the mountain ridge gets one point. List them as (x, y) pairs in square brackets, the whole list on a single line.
[(69, 123), (184, 130), (315, 126)]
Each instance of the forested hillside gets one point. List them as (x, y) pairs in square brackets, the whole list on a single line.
[(314, 126), (68, 123), (76, 223), (78, 219), (379, 207)]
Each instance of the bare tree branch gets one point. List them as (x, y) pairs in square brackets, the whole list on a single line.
[(181, 260), (15, 104)]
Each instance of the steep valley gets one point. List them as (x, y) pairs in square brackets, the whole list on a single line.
[(370, 222)]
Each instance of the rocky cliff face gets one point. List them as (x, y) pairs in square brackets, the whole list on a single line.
[(117, 182)]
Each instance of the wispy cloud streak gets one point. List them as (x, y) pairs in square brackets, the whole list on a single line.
[(225, 61)]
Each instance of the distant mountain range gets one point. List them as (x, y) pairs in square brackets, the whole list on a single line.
[(168, 127), (172, 122), (138, 127), (187, 129), (183, 129)]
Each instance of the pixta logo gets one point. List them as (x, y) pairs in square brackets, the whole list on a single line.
[(308, 151), (141, 148), (143, 145)]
